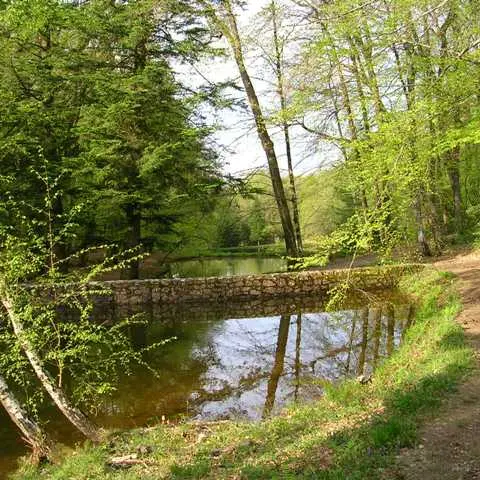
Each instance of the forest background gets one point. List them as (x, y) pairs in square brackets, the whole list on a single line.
[(94, 97)]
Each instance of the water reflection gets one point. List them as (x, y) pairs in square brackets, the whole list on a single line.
[(227, 266), (239, 360), (250, 367), (278, 364), (298, 349)]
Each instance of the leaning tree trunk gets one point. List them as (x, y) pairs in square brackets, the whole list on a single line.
[(31, 431), (73, 414), (231, 32)]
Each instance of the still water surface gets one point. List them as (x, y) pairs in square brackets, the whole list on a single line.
[(247, 361), (226, 266)]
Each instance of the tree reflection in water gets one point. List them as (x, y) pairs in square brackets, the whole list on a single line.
[(278, 364), (223, 365), (307, 347)]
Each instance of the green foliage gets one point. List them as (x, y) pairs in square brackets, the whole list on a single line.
[(243, 215), (84, 356), (249, 218), (402, 83), (324, 204), (89, 91)]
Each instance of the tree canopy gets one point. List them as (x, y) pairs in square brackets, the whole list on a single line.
[(90, 95)]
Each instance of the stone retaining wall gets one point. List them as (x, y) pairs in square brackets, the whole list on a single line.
[(224, 289)]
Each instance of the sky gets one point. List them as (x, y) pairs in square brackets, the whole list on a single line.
[(237, 140)]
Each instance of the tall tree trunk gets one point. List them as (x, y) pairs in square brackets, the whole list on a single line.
[(452, 157), (434, 196), (293, 188), (285, 127), (73, 414), (367, 52), (410, 97), (31, 431), (232, 34), (421, 235), (361, 46), (355, 59), (354, 156), (454, 176), (347, 103), (434, 221)]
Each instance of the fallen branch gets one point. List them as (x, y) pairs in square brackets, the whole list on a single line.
[(128, 461)]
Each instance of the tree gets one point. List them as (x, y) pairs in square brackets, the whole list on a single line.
[(90, 89), (72, 413), (390, 86), (87, 88), (47, 324), (279, 46), (137, 139), (30, 429), (223, 18), (273, 39)]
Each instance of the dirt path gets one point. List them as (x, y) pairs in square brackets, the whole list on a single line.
[(449, 446)]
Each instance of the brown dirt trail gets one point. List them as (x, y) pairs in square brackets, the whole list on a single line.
[(449, 447)]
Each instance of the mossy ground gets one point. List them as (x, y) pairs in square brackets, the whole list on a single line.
[(354, 432)]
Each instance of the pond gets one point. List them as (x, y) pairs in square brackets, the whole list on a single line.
[(242, 361), (226, 266)]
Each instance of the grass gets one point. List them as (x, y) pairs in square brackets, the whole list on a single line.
[(354, 432)]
